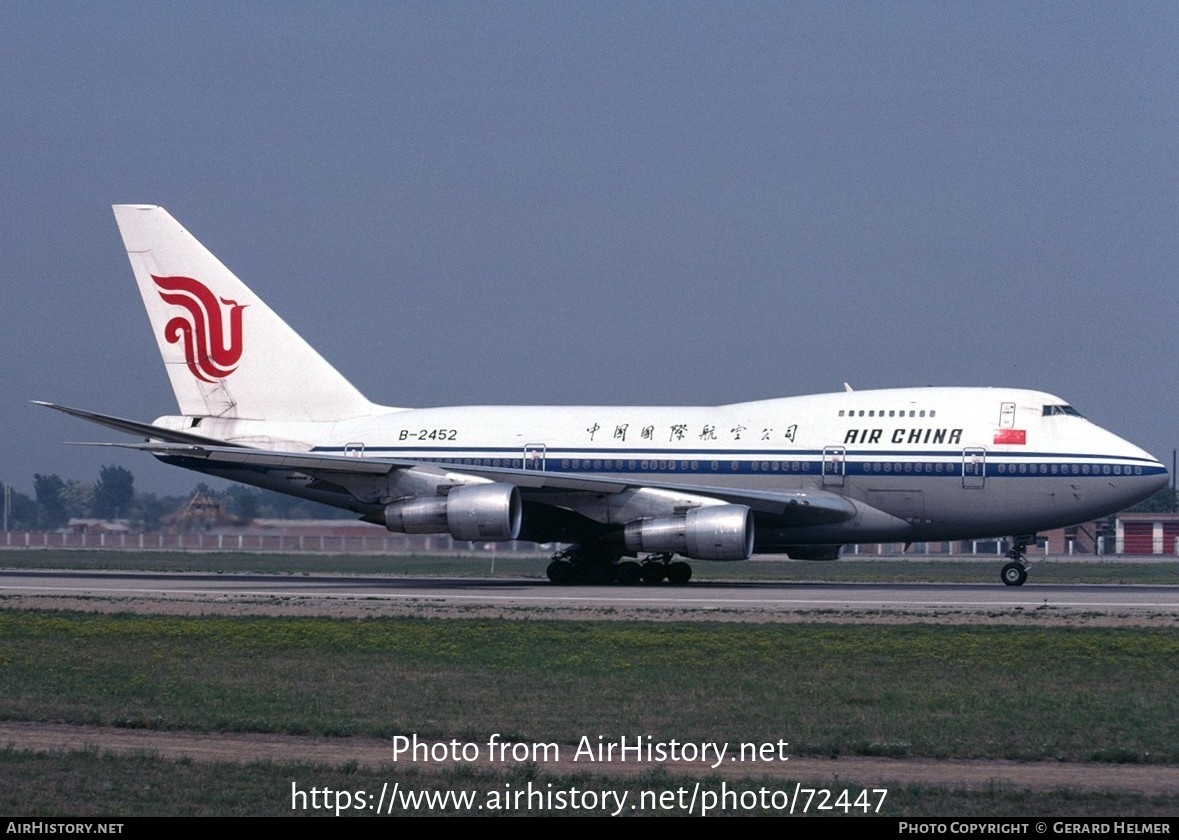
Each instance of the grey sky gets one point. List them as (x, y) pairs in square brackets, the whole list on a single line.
[(600, 202)]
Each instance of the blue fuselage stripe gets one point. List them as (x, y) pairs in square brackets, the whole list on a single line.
[(923, 463)]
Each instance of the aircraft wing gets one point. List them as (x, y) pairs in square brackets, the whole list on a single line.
[(354, 475), (795, 508)]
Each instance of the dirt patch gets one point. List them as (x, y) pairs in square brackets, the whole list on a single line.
[(376, 753)]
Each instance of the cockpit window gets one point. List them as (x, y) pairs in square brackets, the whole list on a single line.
[(1050, 410)]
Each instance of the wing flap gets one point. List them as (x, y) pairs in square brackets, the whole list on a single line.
[(307, 463)]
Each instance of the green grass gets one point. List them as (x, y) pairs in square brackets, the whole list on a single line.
[(1070, 694)]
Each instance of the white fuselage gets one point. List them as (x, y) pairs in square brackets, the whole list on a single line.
[(942, 463)]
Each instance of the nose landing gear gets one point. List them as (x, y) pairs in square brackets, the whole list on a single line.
[(1013, 574), (1016, 572)]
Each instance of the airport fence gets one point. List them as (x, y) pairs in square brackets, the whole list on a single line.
[(377, 543)]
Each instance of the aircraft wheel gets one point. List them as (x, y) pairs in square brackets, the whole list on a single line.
[(560, 572), (627, 573), (1013, 574), (654, 572), (679, 572)]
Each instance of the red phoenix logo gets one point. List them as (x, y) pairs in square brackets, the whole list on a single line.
[(210, 352)]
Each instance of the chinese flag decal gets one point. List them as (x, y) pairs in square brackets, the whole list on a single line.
[(1012, 436)]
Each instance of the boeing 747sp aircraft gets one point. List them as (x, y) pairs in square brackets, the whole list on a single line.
[(625, 488)]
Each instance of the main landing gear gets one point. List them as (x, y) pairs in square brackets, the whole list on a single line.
[(1016, 572), (598, 565)]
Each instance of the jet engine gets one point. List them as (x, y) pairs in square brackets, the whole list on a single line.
[(715, 532), (470, 512)]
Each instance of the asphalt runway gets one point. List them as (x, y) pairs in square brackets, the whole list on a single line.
[(728, 596)]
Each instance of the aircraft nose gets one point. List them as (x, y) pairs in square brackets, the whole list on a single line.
[(1162, 478), (1147, 474), (1150, 477)]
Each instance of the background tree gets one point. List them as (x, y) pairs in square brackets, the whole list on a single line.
[(22, 510), (51, 512), (77, 497), (114, 492), (149, 509), (242, 502), (23, 516)]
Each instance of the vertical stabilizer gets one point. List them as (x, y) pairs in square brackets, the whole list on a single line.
[(227, 354)]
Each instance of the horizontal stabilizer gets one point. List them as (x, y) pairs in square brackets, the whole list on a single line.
[(134, 427)]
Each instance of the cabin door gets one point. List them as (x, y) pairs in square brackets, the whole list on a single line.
[(834, 466), (534, 456), (974, 467)]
